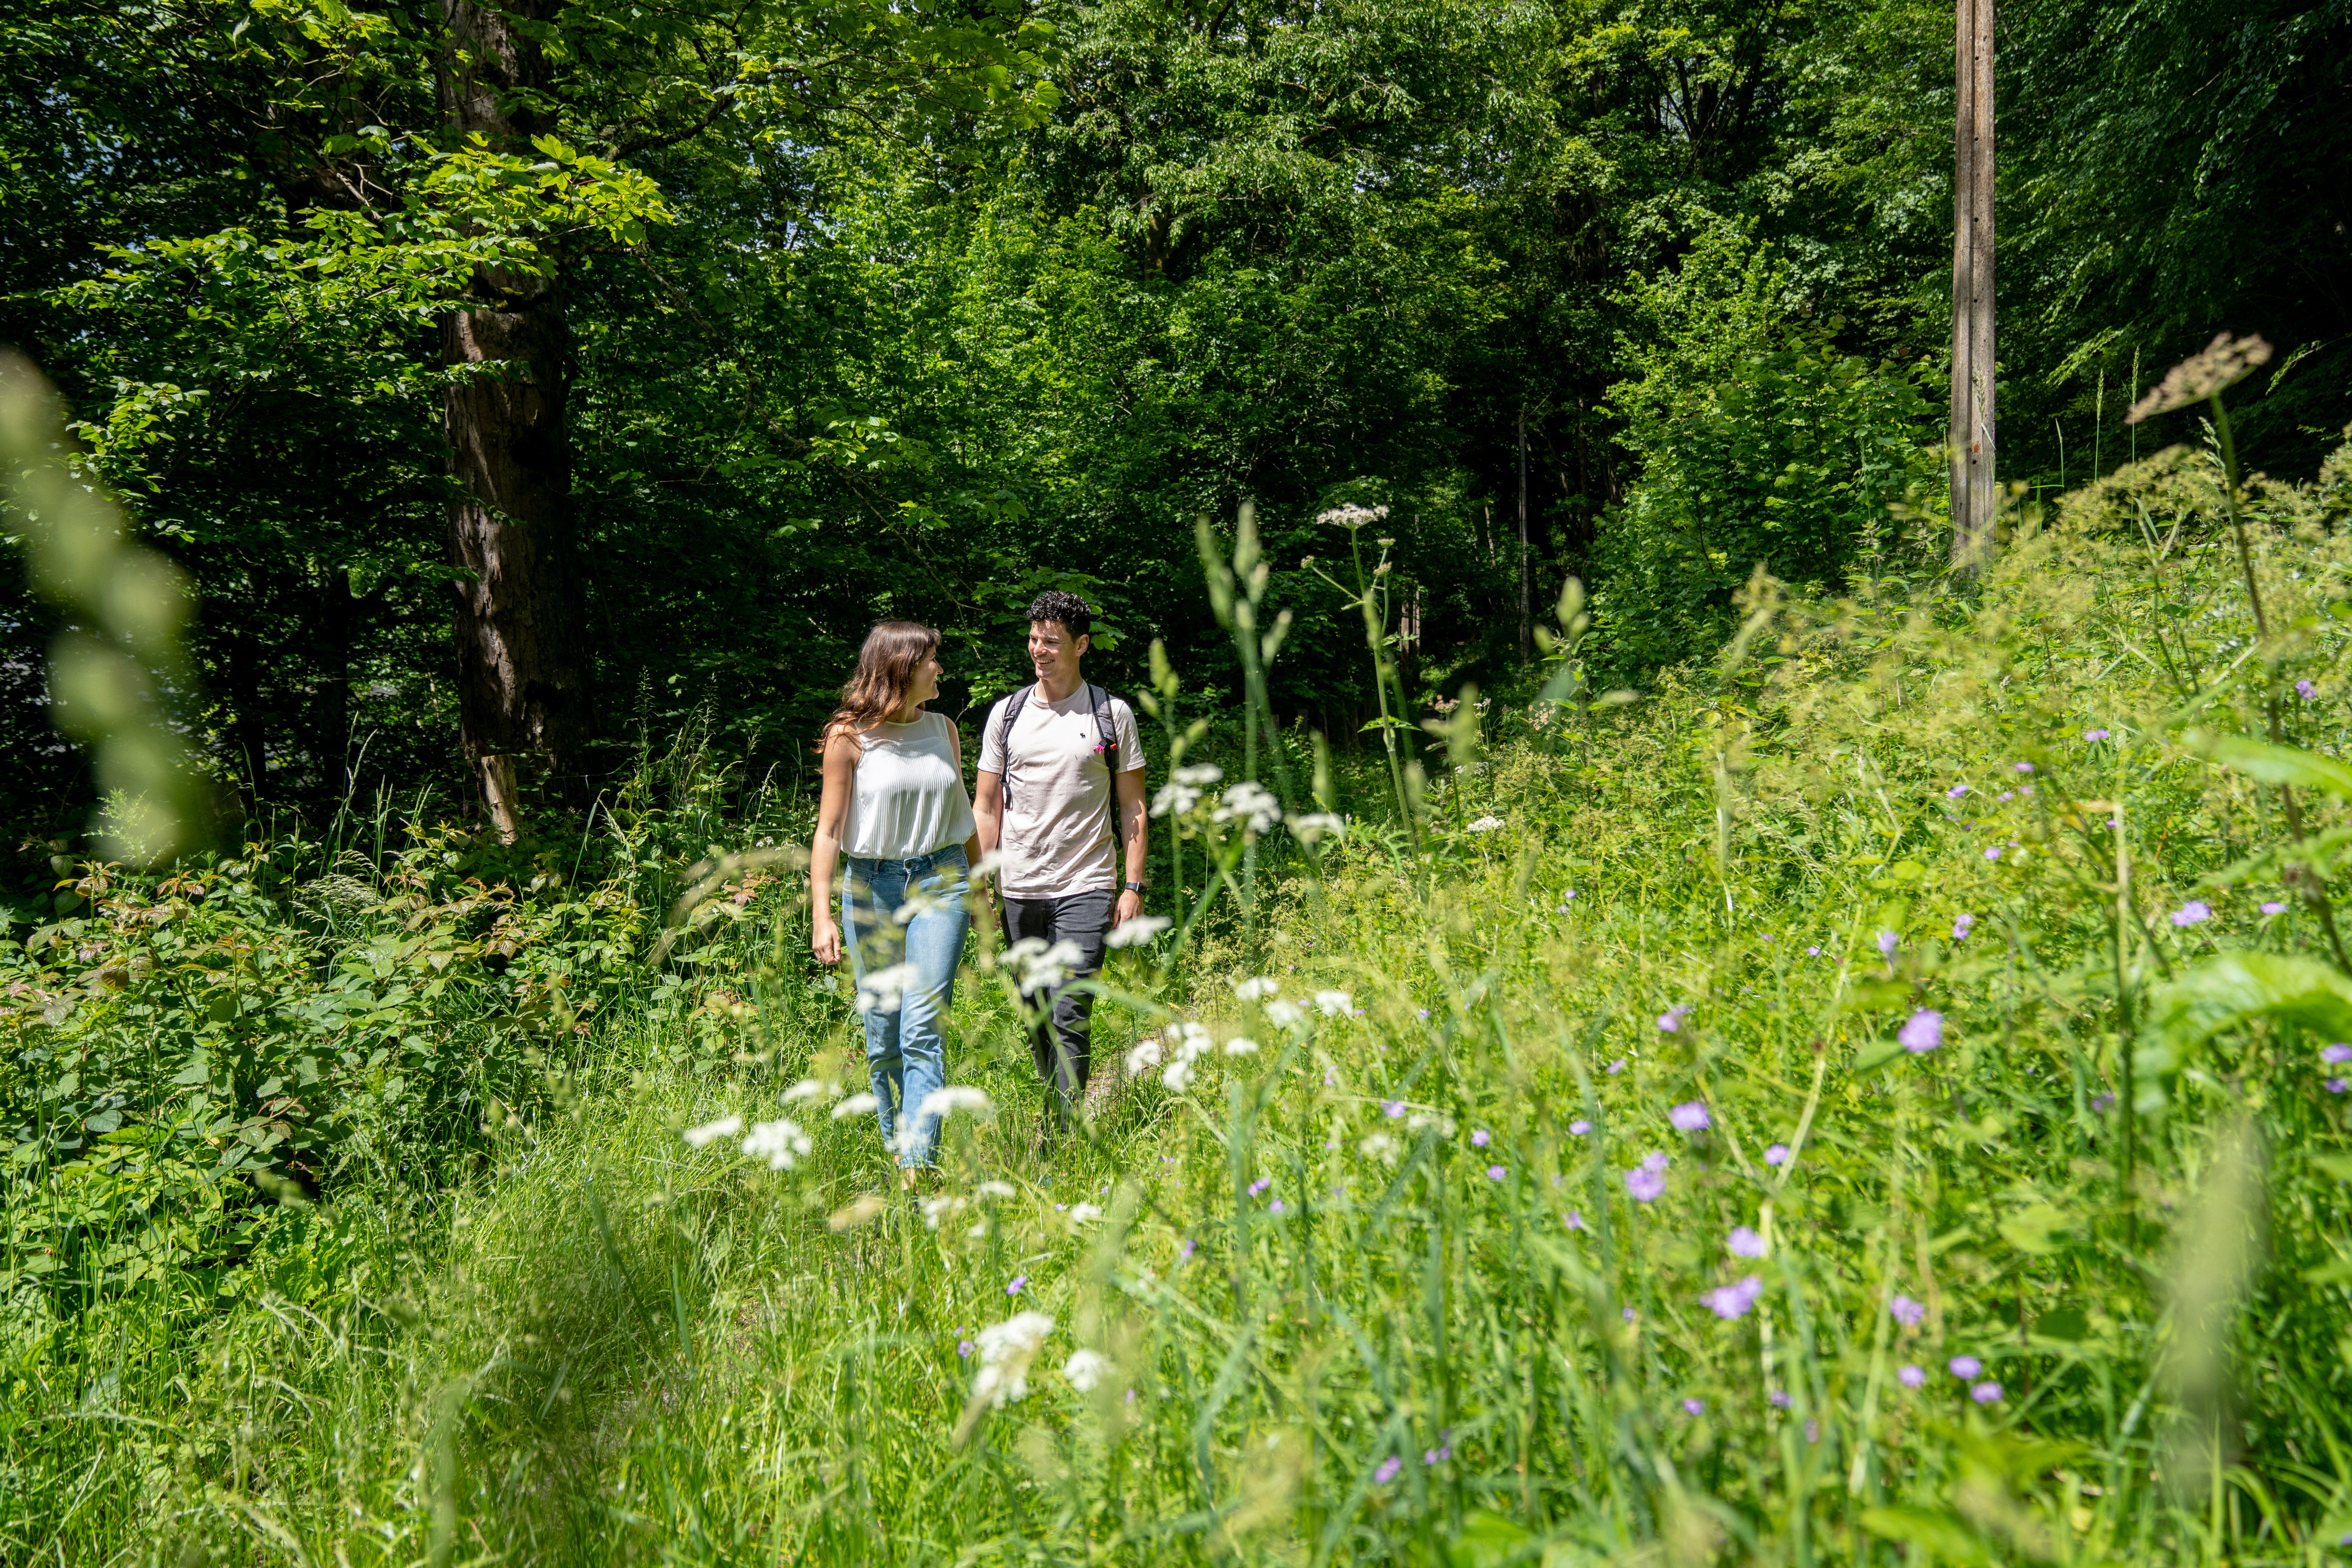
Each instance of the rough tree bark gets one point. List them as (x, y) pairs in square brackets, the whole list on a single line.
[(1974, 505), (521, 687)]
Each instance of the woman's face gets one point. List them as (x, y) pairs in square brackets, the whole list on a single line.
[(926, 683)]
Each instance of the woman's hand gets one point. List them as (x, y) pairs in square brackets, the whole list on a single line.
[(825, 939)]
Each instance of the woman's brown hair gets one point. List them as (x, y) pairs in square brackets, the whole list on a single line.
[(885, 673)]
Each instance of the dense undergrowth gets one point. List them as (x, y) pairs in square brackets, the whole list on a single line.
[(1868, 1101)]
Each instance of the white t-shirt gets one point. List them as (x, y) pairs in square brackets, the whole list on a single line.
[(907, 797), (1059, 824)]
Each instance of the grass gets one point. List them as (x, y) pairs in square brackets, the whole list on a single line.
[(1462, 1336)]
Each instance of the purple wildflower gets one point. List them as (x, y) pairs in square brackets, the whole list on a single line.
[(2006, 794), (1617, 1067), (1387, 1471), (1260, 1185), (1812, 953), (1985, 1393), (1274, 1207), (1729, 1302), (1955, 792), (1744, 1241), (1671, 1020), (1778, 1154), (1907, 1311), (2306, 689), (1965, 1366), (2335, 1086), (1478, 1138), (1695, 1407), (1656, 1162), (1647, 1187), (1962, 926), (963, 1347), (2095, 734), (1779, 1398), (1018, 1282), (1580, 1127), (2025, 767), (1495, 1173), (1575, 1219), (1886, 942), (1911, 1377), (1391, 1108), (2273, 907), (2333, 1053), (2193, 912), (1924, 1033), (2102, 1103), (1690, 1117), (1993, 852), (1184, 1253)]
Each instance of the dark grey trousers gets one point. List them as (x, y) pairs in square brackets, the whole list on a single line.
[(1062, 1041)]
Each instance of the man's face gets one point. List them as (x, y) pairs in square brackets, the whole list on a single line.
[(1054, 652)]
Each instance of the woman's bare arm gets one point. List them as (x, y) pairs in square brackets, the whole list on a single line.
[(831, 811)]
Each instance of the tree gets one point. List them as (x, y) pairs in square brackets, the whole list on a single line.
[(1971, 436)]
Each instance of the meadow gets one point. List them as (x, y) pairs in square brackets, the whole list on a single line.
[(1876, 1097)]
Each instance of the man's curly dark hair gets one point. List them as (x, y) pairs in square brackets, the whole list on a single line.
[(1053, 605)]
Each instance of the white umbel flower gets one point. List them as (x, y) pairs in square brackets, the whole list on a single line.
[(712, 1132), (1137, 932), (780, 1142), (1006, 1349), (1086, 1370), (856, 1105), (946, 1101)]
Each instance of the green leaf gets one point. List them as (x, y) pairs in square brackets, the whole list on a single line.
[(1487, 1540), (1939, 1534), (2273, 764), (2231, 989)]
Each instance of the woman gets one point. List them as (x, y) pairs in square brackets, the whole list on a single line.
[(894, 802)]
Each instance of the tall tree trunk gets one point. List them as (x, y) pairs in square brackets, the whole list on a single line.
[(1971, 436), (331, 709), (521, 687)]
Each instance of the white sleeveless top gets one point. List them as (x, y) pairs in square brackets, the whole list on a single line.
[(907, 797)]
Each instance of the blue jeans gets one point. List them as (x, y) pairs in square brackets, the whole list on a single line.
[(903, 1051)]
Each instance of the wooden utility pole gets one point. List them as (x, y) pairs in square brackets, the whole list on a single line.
[(1526, 623), (1971, 434)]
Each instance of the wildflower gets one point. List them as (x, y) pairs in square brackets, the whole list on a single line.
[(1485, 824), (1085, 1214), (1478, 1138), (1423, 1013), (1812, 953), (1085, 1369), (1965, 1366), (1038, 966), (1580, 1127), (1695, 1407), (1671, 1020), (780, 1142), (2331, 1055), (1646, 1185), (1729, 1302), (2335, 1086), (1617, 1067), (1378, 1146), (1240, 1046), (1955, 792), (2006, 794), (1656, 1162), (1779, 1398), (811, 1088), (2273, 907), (1992, 852), (2025, 767), (1393, 1108), (1569, 894), (1274, 1207), (1745, 1242), (1351, 516), (1575, 1219), (1018, 1282), (1006, 1349), (1309, 827), (1137, 932), (1260, 1185), (882, 991), (711, 1132), (1690, 1117), (2102, 1103), (2193, 912), (1886, 944), (1250, 805), (1923, 1032), (1907, 1311), (2306, 689), (1962, 926), (963, 1347), (2095, 734), (1495, 1173), (1334, 1002), (1285, 1015), (1778, 1154), (1178, 1076), (1387, 1471), (947, 1100), (1911, 1377), (1986, 1393), (1184, 1253), (1144, 1057)]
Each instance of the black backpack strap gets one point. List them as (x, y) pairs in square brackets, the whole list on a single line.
[(1110, 732), (1005, 745)]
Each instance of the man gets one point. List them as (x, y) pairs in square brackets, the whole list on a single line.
[(1061, 793)]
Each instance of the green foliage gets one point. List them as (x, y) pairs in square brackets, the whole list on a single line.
[(1763, 449)]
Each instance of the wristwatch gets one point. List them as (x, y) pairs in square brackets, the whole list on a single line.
[(1136, 886)]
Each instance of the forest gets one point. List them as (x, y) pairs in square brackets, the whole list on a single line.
[(1737, 1032)]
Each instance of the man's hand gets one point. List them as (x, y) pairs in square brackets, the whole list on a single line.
[(1131, 904), (824, 941)]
